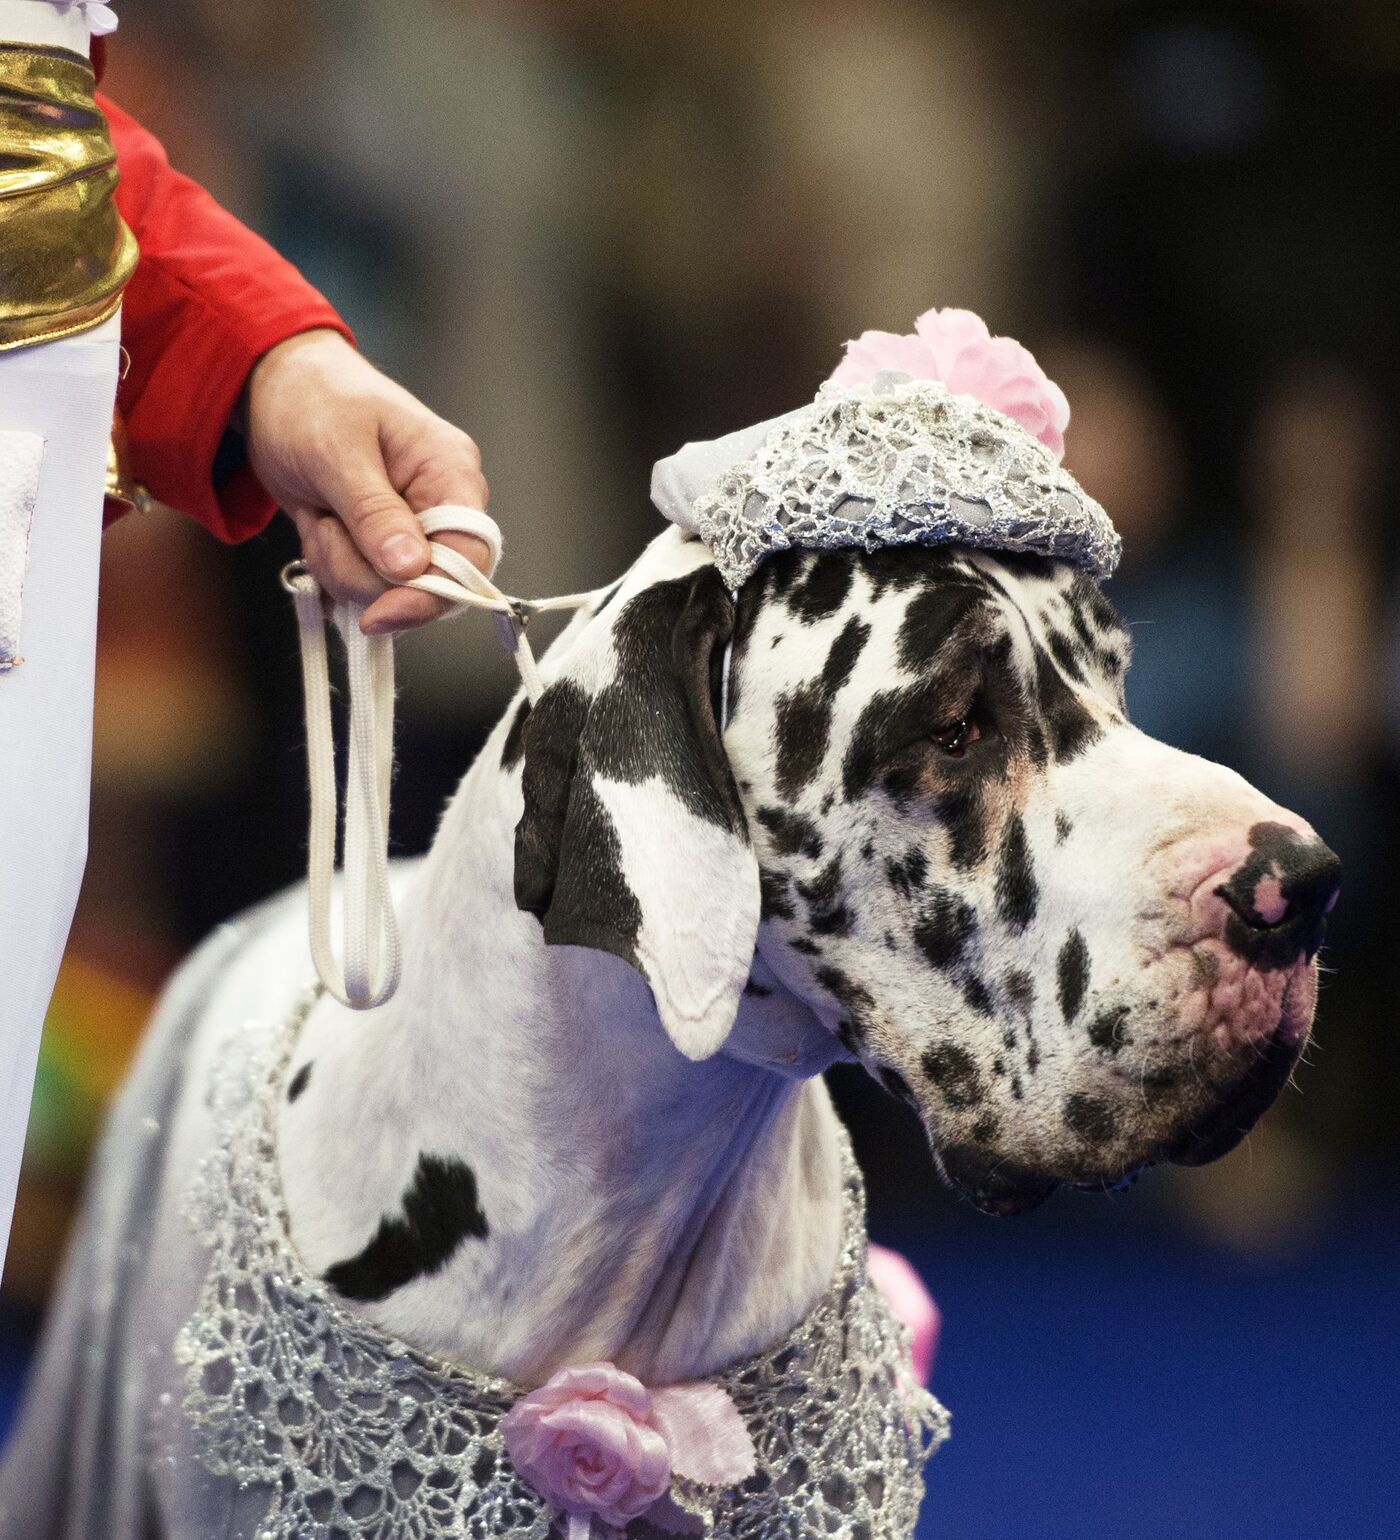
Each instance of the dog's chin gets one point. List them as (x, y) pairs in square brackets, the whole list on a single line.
[(1220, 1129), (995, 1186)]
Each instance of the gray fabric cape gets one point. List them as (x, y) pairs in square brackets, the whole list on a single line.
[(99, 1444)]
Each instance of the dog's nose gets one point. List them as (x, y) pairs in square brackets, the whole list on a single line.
[(1281, 898)]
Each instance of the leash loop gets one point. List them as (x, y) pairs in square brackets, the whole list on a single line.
[(373, 954)]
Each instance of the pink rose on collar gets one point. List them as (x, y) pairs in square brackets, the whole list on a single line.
[(595, 1441), (954, 346)]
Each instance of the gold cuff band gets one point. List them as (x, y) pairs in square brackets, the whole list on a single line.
[(65, 251)]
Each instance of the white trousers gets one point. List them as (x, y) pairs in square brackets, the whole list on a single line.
[(63, 391)]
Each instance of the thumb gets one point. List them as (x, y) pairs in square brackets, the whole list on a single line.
[(379, 521)]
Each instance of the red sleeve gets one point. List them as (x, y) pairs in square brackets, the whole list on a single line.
[(207, 300)]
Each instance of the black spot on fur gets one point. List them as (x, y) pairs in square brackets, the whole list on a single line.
[(944, 928), (986, 1128), (845, 651), (908, 875), (1070, 727), (440, 1211), (962, 810), (595, 906), (656, 715), (299, 1081), (1072, 974), (1020, 989), (774, 901), (1088, 639), (757, 990), (931, 618), (806, 947), (513, 750), (1105, 616), (792, 833), (550, 766), (977, 995), (823, 589), (826, 912), (1018, 893), (1063, 828), (895, 567), (853, 998), (835, 921), (1065, 655), (954, 1071), (803, 730), (1090, 1119), (1108, 1030), (656, 718)]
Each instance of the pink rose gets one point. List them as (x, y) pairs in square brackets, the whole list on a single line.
[(595, 1441), (954, 346), (910, 1304)]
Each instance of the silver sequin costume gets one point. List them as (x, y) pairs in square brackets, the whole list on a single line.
[(895, 461), (359, 1437)]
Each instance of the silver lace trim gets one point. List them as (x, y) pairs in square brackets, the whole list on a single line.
[(356, 1436), (900, 462)]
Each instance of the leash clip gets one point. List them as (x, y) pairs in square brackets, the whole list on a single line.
[(296, 578), (511, 624)]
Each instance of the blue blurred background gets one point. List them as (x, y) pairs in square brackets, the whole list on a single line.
[(590, 229)]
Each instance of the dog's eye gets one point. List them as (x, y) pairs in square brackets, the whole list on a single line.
[(954, 739)]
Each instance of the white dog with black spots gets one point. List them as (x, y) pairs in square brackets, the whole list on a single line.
[(592, 1125)]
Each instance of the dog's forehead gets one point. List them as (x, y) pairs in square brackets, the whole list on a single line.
[(899, 608)]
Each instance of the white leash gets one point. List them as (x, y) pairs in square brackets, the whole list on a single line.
[(373, 956)]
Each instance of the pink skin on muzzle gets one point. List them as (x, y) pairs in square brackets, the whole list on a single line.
[(1229, 998)]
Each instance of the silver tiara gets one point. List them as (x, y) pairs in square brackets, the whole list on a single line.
[(891, 461)]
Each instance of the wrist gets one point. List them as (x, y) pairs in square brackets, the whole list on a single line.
[(296, 351)]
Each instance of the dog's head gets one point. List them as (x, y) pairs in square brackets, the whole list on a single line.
[(1072, 949)]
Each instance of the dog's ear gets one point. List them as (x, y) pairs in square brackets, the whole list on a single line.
[(633, 839)]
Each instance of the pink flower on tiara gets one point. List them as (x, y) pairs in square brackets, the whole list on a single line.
[(954, 346)]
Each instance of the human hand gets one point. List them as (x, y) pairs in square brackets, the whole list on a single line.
[(353, 457)]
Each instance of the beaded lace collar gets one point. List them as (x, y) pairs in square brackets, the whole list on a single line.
[(357, 1436)]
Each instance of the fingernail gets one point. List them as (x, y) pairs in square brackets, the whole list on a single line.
[(401, 555)]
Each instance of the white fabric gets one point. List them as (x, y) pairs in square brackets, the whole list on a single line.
[(373, 958), (678, 481), (61, 392), (21, 458), (50, 23)]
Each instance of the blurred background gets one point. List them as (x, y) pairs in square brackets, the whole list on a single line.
[(587, 230)]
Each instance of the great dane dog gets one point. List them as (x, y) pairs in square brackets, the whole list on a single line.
[(591, 1124)]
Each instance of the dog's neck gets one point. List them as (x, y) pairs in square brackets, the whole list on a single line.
[(666, 1215)]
